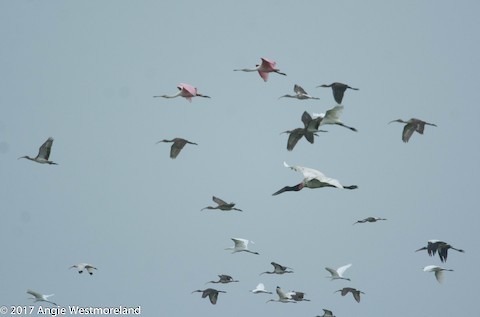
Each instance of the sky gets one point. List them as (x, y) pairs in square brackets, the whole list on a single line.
[(85, 73)]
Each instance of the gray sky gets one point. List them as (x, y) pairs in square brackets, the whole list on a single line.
[(84, 72)]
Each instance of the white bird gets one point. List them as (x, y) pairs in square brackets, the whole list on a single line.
[(327, 313), (260, 289), (312, 179), (331, 116), (370, 219), (282, 297), (84, 266), (300, 94), (241, 245), (278, 269), (40, 297), (338, 273), (43, 153), (438, 271)]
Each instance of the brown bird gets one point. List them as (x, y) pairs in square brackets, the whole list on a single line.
[(370, 219), (338, 90), (177, 146), (300, 94), (224, 279), (222, 205), (43, 153), (355, 292), (278, 269), (211, 293), (411, 126)]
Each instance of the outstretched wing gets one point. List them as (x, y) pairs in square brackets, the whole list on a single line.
[(342, 269), (44, 150), (218, 201)]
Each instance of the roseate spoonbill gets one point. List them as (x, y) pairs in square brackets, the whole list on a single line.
[(84, 266), (43, 153), (260, 289), (438, 271), (442, 247), (211, 293), (282, 297), (222, 205), (267, 66), (186, 91), (300, 94), (338, 90), (338, 273), (224, 279), (327, 313), (370, 219), (278, 269), (331, 116), (297, 296), (177, 146), (411, 126), (355, 292), (312, 179), (40, 297), (241, 245)]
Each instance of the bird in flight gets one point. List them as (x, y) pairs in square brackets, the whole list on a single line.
[(43, 153), (260, 289), (177, 146), (38, 297), (312, 179), (278, 269), (241, 245), (300, 94), (370, 219), (355, 292), (186, 91), (266, 67), (84, 266), (224, 279), (411, 126), (211, 293), (434, 246), (438, 271), (222, 205), (338, 273), (338, 90)]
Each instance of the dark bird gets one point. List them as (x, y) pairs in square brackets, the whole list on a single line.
[(355, 292), (312, 179), (222, 205), (308, 131), (300, 94), (177, 146), (434, 246), (278, 269), (43, 153), (338, 90), (211, 293), (370, 219), (224, 279), (411, 126), (327, 313)]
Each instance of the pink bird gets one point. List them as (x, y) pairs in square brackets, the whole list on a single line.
[(186, 91), (267, 66)]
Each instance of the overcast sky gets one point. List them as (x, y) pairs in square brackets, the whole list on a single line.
[(85, 72)]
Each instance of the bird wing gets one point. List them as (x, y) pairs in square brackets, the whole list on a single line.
[(90, 268), (263, 75), (44, 150), (213, 296), (408, 130), (308, 173), (268, 63), (356, 295), (188, 88), (328, 313), (338, 91), (332, 271), (299, 90), (35, 294), (332, 115), (240, 243), (279, 266), (306, 119), (177, 146), (293, 138), (218, 201), (260, 287), (419, 125), (342, 269), (281, 294)]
